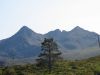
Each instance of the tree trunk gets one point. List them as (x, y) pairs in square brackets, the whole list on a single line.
[(49, 63)]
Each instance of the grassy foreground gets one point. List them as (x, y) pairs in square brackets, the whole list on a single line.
[(84, 67)]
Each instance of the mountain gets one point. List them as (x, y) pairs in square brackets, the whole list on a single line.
[(26, 44), (77, 38), (77, 43)]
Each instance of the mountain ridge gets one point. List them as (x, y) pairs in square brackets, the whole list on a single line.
[(26, 43)]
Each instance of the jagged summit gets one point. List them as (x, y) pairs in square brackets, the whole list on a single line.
[(25, 29), (77, 28), (54, 32), (58, 30), (24, 32)]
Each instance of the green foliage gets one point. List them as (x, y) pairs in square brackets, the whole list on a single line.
[(9, 71), (61, 67)]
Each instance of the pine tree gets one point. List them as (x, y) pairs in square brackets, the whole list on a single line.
[(49, 53)]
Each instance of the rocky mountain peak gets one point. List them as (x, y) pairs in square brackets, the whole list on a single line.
[(77, 28)]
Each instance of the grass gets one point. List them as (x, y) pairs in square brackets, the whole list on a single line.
[(89, 66)]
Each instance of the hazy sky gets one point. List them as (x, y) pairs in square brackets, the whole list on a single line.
[(45, 15)]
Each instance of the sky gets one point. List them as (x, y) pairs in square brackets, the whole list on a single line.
[(43, 16)]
